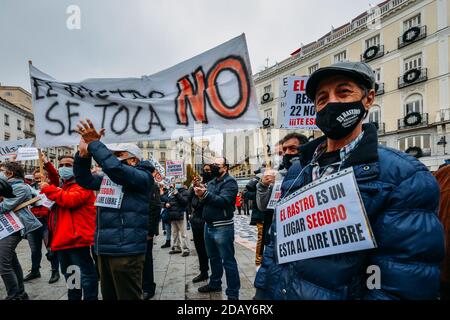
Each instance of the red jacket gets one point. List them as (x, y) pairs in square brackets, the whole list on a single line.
[(72, 220), (238, 201)]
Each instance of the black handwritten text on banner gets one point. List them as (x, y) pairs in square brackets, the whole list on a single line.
[(214, 88), (323, 218)]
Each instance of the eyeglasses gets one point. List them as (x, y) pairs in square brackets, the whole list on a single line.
[(68, 165)]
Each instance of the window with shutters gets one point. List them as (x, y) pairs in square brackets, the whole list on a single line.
[(414, 103), (413, 62), (412, 22), (422, 141), (375, 114), (313, 68), (374, 41), (341, 56)]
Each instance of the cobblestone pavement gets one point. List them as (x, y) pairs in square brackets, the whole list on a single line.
[(173, 273)]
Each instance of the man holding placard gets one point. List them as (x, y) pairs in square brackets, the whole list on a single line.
[(122, 210), (356, 220)]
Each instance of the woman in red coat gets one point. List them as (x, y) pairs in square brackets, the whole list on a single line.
[(72, 225), (239, 202)]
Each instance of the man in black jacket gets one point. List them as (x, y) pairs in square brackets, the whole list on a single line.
[(219, 198), (198, 225), (176, 207), (148, 283)]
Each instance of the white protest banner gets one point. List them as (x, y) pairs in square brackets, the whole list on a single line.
[(275, 196), (175, 168), (300, 112), (110, 194), (160, 172), (24, 154), (323, 218), (46, 202), (214, 88), (9, 224), (9, 148)]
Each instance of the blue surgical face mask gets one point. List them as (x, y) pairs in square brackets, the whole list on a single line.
[(178, 186), (65, 173), (3, 176)]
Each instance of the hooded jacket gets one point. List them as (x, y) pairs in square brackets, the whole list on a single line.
[(401, 200), (122, 231)]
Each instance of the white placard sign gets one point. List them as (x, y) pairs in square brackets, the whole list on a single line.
[(46, 202), (214, 88), (175, 168), (323, 218), (9, 224), (110, 194), (300, 112), (9, 148), (24, 154), (275, 195)]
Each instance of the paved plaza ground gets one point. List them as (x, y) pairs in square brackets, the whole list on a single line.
[(173, 273)]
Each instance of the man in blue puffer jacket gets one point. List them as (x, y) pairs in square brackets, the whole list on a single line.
[(122, 222), (400, 196)]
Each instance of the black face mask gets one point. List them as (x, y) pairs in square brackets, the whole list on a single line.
[(337, 120), (215, 171), (288, 159), (206, 177)]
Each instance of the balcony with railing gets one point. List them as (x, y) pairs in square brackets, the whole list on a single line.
[(443, 115), (412, 77), (380, 127), (413, 120), (372, 53), (412, 35)]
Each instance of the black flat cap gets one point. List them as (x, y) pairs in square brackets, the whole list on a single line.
[(361, 72)]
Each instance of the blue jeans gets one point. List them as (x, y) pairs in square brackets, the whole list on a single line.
[(168, 228), (35, 240), (220, 248), (80, 257)]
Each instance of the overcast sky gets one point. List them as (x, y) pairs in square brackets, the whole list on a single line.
[(122, 38)]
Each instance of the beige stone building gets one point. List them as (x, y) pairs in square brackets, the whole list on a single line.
[(407, 44), (18, 122)]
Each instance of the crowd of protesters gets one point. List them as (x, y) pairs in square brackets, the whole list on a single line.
[(112, 244)]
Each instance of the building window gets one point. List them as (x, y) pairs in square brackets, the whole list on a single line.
[(412, 22), (377, 74), (6, 120), (374, 41), (19, 125), (8, 94), (414, 103), (422, 141), (313, 68), (375, 114), (31, 127), (413, 62), (341, 56), (7, 136), (268, 89), (163, 156)]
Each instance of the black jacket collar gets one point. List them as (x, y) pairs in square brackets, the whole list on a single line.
[(365, 152)]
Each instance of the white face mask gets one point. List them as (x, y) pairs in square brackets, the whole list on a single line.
[(3, 176)]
